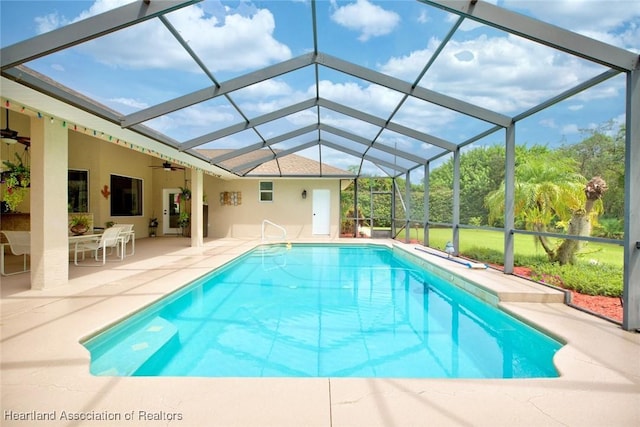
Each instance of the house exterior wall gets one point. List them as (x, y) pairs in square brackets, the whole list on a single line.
[(103, 158), (288, 209)]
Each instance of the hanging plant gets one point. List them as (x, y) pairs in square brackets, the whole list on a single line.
[(185, 193), (17, 178)]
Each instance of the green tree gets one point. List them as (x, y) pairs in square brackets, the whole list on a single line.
[(481, 171), (549, 193), (601, 154), (374, 200)]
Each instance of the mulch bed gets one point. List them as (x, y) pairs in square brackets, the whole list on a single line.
[(609, 307)]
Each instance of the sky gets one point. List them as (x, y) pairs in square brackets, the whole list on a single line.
[(139, 67)]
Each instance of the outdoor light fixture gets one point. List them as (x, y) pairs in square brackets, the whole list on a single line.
[(304, 194)]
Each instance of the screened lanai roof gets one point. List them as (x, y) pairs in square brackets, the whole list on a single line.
[(369, 87)]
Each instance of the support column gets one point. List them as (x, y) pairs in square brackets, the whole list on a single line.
[(355, 208), (407, 198), (394, 190), (49, 217), (427, 190), (631, 289), (197, 220), (509, 195), (456, 201)]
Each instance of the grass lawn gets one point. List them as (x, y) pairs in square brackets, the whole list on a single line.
[(524, 244)]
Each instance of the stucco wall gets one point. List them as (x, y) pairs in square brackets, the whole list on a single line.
[(288, 208), (101, 159)]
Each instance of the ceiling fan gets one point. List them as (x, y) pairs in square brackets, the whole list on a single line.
[(10, 136), (167, 166)]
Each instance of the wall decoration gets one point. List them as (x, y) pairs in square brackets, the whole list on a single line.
[(230, 198), (105, 191)]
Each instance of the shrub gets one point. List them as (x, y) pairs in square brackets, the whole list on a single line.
[(584, 277), (492, 256), (611, 228)]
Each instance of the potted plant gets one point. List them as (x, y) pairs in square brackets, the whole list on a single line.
[(17, 178), (79, 224), (153, 226), (183, 223)]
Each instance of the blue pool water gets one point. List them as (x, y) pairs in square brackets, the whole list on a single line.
[(323, 311)]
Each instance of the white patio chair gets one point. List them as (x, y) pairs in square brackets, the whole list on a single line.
[(126, 235), (19, 244), (109, 239)]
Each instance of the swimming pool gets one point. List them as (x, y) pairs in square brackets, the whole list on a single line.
[(322, 311)]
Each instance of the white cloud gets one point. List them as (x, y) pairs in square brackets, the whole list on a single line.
[(570, 129), (548, 123), (101, 6), (239, 42), (267, 88), (425, 117), (129, 102), (369, 19), (49, 22), (505, 74), (374, 99), (423, 18), (267, 96), (191, 122), (599, 19)]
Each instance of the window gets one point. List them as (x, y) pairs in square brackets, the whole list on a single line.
[(126, 196), (78, 190), (266, 191)]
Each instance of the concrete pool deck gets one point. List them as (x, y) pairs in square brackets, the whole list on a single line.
[(45, 371)]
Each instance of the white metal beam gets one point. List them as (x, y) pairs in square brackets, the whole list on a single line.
[(377, 121), (277, 155), (239, 127), (280, 138), (378, 146), (541, 32), (214, 91), (87, 29), (365, 156), (414, 91), (631, 287)]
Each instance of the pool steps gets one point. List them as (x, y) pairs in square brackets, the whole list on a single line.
[(150, 339)]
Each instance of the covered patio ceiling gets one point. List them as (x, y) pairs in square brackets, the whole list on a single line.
[(396, 135)]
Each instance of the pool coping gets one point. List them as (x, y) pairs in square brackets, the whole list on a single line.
[(44, 368)]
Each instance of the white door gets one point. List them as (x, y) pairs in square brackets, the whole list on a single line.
[(321, 222), (170, 210)]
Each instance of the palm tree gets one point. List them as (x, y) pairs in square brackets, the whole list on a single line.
[(549, 193), (582, 220)]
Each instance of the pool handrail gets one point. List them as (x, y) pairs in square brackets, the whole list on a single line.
[(264, 224)]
